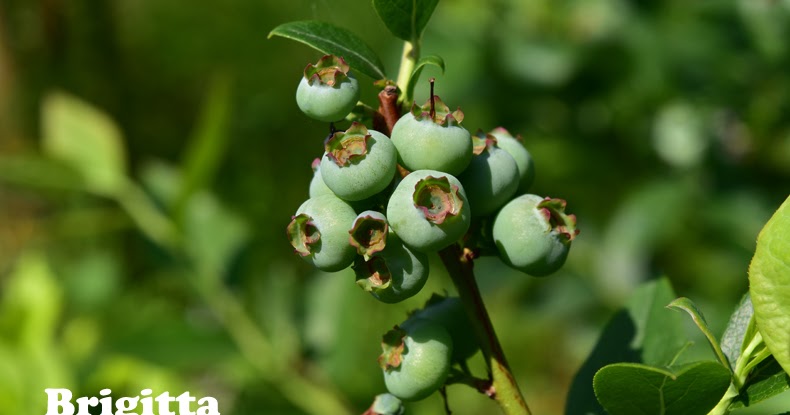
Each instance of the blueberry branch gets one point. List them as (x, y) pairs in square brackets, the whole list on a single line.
[(504, 389)]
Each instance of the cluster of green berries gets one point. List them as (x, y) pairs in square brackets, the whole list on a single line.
[(383, 204)]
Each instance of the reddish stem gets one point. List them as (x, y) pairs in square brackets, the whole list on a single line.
[(504, 388), (388, 110)]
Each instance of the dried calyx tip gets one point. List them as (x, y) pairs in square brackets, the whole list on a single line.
[(329, 70), (554, 211), (433, 99)]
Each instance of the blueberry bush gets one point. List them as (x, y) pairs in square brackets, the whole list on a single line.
[(156, 196), (431, 187)]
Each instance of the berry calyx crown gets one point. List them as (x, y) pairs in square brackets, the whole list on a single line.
[(368, 234), (303, 234), (372, 274), (344, 147), (554, 212), (393, 347), (437, 198), (504, 132), (330, 70), (482, 142), (441, 113)]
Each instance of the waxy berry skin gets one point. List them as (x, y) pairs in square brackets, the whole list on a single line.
[(319, 232), (491, 178), (393, 274), (354, 177), (317, 185), (432, 143), (515, 147), (533, 234), (328, 91), (450, 313), (429, 210), (422, 365)]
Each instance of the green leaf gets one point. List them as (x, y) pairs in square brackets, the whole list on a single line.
[(213, 234), (643, 331), (636, 389), (31, 304), (85, 138), (769, 284), (661, 335), (415, 74), (406, 19), (739, 331), (39, 172), (207, 146), (684, 304), (765, 381), (333, 40)]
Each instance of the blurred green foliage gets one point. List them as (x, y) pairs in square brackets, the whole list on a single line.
[(160, 261)]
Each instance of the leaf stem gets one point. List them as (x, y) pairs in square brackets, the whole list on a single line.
[(746, 362), (504, 388), (409, 58)]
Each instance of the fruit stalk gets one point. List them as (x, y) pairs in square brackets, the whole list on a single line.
[(505, 389)]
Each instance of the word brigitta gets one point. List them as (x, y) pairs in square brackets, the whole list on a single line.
[(59, 403)]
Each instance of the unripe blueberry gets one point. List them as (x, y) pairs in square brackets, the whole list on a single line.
[(386, 404), (432, 140), (393, 274), (491, 178), (319, 232), (450, 313), (515, 147), (428, 210), (533, 234), (358, 163), (327, 91), (317, 185), (416, 359)]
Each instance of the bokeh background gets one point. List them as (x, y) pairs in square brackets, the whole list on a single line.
[(665, 124)]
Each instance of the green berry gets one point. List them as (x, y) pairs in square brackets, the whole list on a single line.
[(416, 359), (533, 234), (317, 185), (386, 404), (327, 91), (515, 147), (319, 232), (450, 313), (433, 142), (491, 178), (358, 163), (428, 210), (393, 274)]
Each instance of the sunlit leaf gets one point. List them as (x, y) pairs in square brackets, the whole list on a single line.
[(85, 138), (406, 19), (769, 278), (630, 388), (334, 40)]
